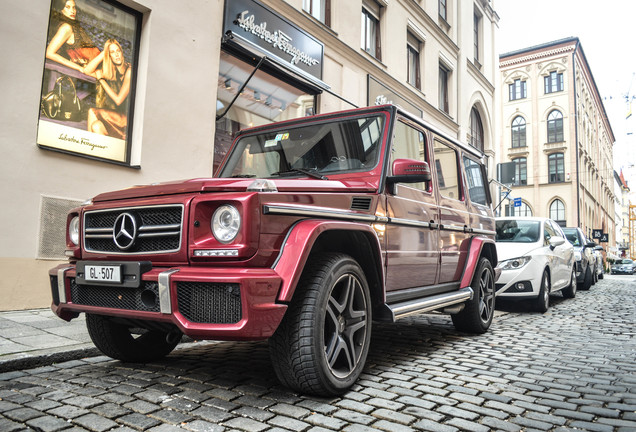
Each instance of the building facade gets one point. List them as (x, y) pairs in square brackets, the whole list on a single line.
[(195, 74), (556, 135)]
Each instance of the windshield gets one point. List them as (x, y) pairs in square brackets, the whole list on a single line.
[(518, 231), (334, 147), (625, 261), (572, 235)]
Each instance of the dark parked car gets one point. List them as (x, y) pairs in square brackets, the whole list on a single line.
[(584, 256), (623, 266)]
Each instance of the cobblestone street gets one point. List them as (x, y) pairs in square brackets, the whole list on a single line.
[(572, 368)]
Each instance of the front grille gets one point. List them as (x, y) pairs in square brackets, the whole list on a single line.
[(144, 298), (210, 303), (158, 230)]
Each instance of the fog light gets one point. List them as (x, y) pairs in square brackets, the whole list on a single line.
[(520, 286)]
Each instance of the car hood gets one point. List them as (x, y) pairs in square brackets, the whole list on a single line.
[(236, 185), (513, 250)]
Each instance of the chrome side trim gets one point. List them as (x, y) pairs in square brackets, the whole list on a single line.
[(483, 231), (410, 222), (165, 305), (407, 308), (61, 284), (318, 211), (451, 227)]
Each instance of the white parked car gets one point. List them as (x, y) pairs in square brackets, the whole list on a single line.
[(535, 260)]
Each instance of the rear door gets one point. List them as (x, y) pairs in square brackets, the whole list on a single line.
[(412, 255), (454, 215)]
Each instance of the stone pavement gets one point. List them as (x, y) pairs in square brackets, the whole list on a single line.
[(570, 369), (37, 337)]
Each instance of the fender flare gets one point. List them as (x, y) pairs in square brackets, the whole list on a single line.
[(479, 246), (299, 243)]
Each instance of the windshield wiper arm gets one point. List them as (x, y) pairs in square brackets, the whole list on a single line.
[(243, 176), (313, 174)]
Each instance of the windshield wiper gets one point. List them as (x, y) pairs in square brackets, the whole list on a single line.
[(310, 173), (243, 176)]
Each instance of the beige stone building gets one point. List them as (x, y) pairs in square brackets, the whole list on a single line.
[(198, 72), (555, 130)]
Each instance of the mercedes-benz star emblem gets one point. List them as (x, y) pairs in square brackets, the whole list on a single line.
[(125, 231)]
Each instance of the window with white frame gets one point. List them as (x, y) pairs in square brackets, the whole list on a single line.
[(413, 60), (318, 9), (370, 41), (518, 132), (444, 75), (557, 212), (517, 90), (555, 126), (553, 82)]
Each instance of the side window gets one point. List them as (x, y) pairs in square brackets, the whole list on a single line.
[(475, 180), (409, 143), (446, 167)]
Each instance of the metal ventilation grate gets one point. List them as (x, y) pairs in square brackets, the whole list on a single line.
[(52, 235), (360, 203)]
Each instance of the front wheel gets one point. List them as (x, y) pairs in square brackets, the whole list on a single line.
[(321, 345), (477, 315), (589, 279), (542, 302), (127, 343)]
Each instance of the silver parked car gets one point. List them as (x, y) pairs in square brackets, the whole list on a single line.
[(623, 266)]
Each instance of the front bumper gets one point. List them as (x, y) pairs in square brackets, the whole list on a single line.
[(529, 275), (204, 303), (621, 271)]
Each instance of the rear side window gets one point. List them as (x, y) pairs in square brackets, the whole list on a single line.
[(476, 183), (446, 168)]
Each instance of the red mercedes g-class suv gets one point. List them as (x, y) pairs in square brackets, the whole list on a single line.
[(311, 229)]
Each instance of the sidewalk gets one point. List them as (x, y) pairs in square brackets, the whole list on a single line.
[(36, 337)]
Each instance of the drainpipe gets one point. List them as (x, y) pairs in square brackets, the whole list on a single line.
[(576, 138)]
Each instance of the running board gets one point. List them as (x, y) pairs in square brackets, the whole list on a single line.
[(428, 304)]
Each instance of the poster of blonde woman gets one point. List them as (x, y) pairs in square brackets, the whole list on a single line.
[(89, 79)]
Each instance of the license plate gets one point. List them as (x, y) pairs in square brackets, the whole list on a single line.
[(99, 273)]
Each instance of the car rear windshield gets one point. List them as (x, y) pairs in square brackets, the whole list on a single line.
[(333, 147), (572, 234), (518, 231)]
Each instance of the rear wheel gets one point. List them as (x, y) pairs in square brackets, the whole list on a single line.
[(127, 343), (542, 302), (321, 345), (570, 290), (477, 315)]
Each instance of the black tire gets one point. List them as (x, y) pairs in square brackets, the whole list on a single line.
[(477, 315), (127, 344), (542, 302), (595, 279), (322, 343), (570, 290), (602, 275), (589, 279)]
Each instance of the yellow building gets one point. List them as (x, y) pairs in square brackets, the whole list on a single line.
[(555, 130)]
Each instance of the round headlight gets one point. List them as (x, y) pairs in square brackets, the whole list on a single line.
[(226, 223), (73, 230)]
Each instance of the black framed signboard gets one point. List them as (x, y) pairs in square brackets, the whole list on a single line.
[(89, 79)]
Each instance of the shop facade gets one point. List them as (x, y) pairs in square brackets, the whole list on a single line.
[(195, 74)]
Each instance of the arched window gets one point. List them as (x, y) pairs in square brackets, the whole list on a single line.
[(518, 132), (556, 168), (523, 210), (476, 130), (521, 171), (557, 212), (555, 126)]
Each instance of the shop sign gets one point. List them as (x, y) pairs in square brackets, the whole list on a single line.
[(89, 79), (379, 94), (272, 33)]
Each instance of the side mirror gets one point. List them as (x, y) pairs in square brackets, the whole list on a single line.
[(408, 171), (591, 244), (556, 241)]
